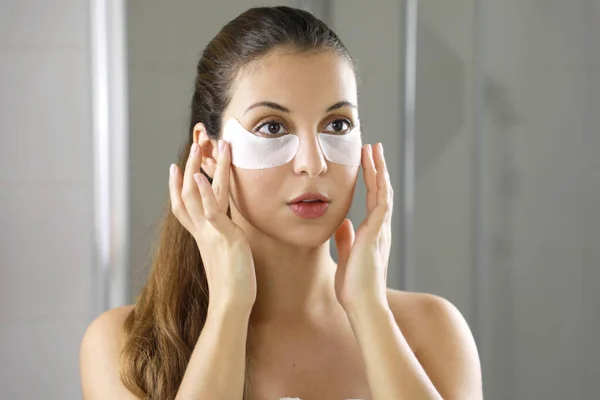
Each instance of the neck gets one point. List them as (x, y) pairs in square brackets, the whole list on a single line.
[(292, 283), (295, 284)]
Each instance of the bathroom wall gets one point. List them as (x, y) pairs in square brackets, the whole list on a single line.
[(507, 184), (46, 211)]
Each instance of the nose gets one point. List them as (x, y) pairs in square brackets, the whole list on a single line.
[(309, 159)]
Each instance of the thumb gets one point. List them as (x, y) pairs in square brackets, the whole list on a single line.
[(344, 239)]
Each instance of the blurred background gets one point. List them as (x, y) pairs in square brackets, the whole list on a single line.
[(489, 111)]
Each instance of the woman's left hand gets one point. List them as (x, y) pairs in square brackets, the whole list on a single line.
[(363, 257)]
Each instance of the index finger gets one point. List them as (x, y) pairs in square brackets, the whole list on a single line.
[(369, 176), (220, 182)]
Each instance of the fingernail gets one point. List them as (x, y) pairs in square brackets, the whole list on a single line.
[(198, 179), (221, 146), (172, 170), (369, 148), (381, 148), (194, 148)]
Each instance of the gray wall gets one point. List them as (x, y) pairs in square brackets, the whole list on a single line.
[(46, 213), (444, 153), (511, 234)]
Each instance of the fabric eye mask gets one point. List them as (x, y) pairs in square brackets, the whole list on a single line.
[(249, 151)]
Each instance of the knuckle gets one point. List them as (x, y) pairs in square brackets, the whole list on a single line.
[(386, 206), (210, 215), (217, 190), (176, 208), (237, 240), (187, 194)]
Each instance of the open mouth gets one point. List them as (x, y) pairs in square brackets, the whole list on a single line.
[(309, 208)]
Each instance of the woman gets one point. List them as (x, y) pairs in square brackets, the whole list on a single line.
[(244, 299)]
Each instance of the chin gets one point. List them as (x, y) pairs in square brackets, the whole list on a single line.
[(291, 230), (308, 233), (304, 240)]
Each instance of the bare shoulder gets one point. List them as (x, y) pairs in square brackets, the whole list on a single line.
[(422, 315), (441, 340), (99, 355), (413, 312), (110, 321), (417, 307)]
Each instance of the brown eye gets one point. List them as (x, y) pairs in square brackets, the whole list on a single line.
[(271, 128), (339, 126)]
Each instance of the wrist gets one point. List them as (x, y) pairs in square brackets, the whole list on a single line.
[(229, 309), (367, 308)]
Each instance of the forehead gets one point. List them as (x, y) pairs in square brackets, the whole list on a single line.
[(295, 80)]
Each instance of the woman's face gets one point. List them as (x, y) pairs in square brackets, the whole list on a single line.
[(301, 89)]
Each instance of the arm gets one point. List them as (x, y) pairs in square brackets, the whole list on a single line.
[(447, 365), (392, 369), (215, 371), (217, 367)]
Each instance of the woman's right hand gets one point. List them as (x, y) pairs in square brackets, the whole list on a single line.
[(223, 246)]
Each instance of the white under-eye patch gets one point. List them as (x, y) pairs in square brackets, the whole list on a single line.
[(249, 151)]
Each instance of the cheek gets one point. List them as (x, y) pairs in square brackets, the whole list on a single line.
[(257, 193), (348, 177), (252, 189)]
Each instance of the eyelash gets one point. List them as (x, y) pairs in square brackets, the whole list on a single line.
[(258, 128)]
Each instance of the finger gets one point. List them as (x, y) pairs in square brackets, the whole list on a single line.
[(212, 212), (177, 206), (369, 176), (220, 183), (381, 165), (190, 193), (384, 188)]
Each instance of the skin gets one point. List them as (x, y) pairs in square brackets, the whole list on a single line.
[(296, 296), (302, 294), (318, 329), (294, 269)]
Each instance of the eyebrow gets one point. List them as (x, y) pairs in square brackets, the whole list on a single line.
[(281, 108)]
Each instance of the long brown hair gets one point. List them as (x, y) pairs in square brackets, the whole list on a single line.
[(171, 309)]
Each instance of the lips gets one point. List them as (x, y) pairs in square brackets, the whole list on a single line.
[(309, 210), (308, 198)]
